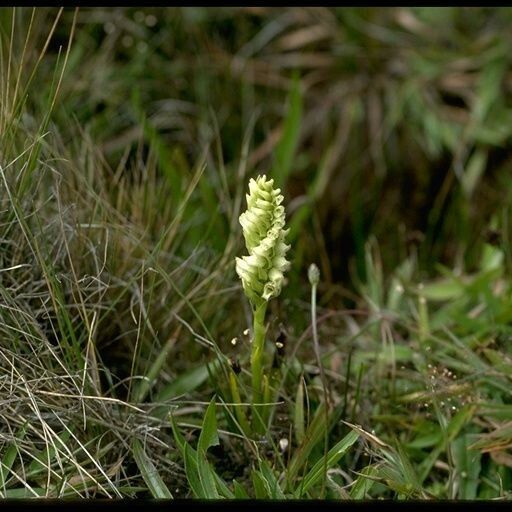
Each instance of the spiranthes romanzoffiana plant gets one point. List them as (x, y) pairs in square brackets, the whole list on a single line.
[(262, 270)]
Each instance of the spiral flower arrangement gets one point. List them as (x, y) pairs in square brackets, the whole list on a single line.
[(262, 270)]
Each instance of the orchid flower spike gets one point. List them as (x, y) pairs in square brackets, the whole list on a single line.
[(263, 223)]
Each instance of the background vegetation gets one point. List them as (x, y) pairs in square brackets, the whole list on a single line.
[(127, 138)]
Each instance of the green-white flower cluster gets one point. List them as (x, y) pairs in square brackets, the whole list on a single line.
[(262, 271)]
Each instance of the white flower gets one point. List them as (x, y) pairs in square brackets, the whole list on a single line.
[(262, 271)]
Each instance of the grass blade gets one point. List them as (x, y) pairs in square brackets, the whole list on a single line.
[(149, 473), (285, 149), (334, 455)]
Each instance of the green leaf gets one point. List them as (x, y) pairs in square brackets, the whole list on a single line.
[(145, 384), (24, 493), (259, 484), (488, 89), (426, 440), (209, 436), (313, 434), (285, 148), (364, 483), (333, 456), (474, 170), (9, 457), (222, 487), (497, 411), (499, 360), (452, 430), (240, 492), (410, 476), (206, 476), (149, 473), (443, 289), (203, 480), (459, 420), (273, 489), (468, 466), (187, 382), (178, 437), (192, 472)]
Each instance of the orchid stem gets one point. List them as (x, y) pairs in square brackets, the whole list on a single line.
[(258, 347)]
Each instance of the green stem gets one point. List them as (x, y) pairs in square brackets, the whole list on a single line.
[(316, 346), (258, 346)]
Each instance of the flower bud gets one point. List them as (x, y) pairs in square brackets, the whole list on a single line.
[(313, 274)]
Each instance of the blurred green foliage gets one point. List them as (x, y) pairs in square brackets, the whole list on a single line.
[(403, 128)]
